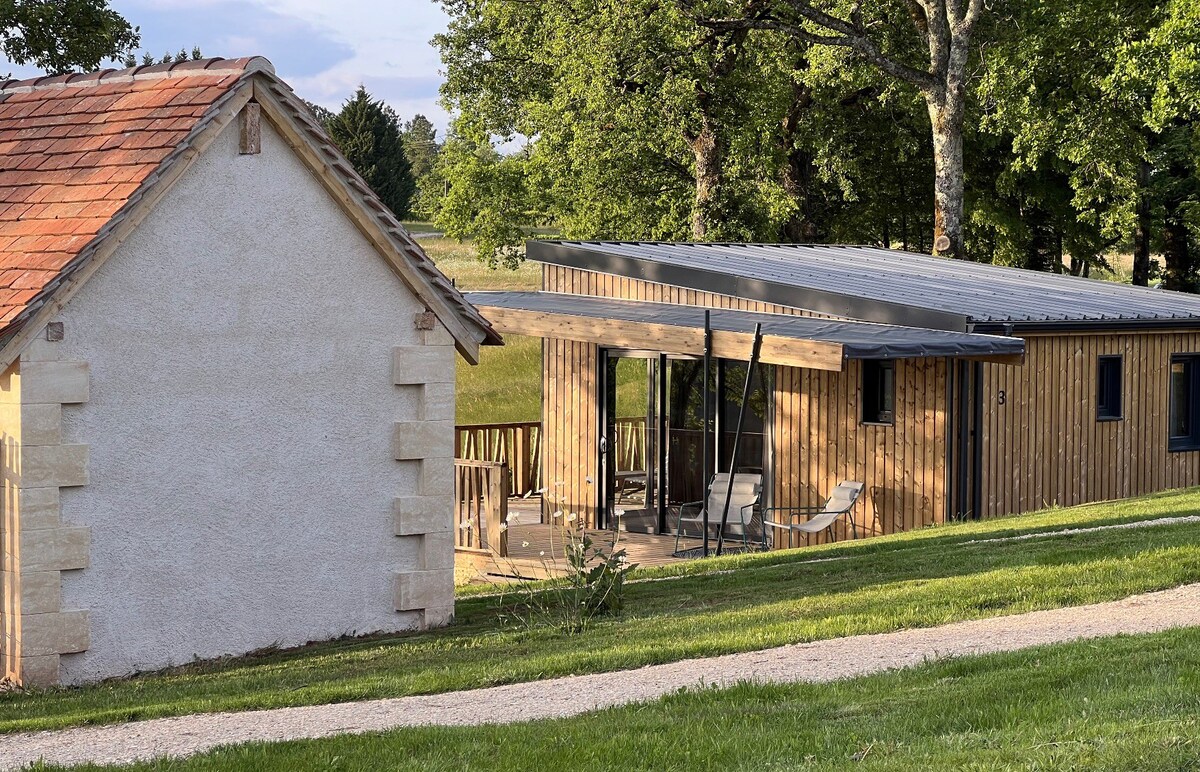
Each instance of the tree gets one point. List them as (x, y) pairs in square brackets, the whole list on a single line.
[(131, 60), (944, 30), (63, 35), (422, 148), (368, 134)]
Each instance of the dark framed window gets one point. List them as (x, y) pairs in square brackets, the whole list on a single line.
[(1184, 403), (878, 391), (1108, 388)]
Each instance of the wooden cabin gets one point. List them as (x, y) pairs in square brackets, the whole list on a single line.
[(953, 390)]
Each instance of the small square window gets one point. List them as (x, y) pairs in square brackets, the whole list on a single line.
[(1108, 389), (878, 391)]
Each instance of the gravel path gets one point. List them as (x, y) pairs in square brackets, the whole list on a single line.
[(819, 661), (1072, 531)]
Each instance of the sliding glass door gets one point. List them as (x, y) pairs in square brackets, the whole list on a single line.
[(653, 433)]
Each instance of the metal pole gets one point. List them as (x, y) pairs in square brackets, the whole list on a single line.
[(737, 433), (704, 427)]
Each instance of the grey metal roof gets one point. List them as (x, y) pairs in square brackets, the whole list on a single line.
[(883, 285), (859, 340)]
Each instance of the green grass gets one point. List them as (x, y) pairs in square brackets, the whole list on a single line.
[(1126, 703), (918, 579)]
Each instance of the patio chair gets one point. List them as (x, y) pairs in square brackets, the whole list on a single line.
[(841, 502), (747, 489)]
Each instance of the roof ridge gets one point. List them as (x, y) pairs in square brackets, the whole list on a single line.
[(211, 66)]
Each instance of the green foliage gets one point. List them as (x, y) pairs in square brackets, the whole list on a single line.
[(147, 58), (422, 148), (594, 586), (368, 133), (488, 196), (63, 35)]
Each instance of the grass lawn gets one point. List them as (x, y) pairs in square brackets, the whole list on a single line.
[(917, 579), (1127, 703)]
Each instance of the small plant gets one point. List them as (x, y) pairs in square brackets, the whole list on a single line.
[(594, 585)]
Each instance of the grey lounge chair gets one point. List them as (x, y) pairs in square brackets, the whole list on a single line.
[(841, 502), (747, 489)]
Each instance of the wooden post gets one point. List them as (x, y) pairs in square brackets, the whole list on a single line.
[(250, 124)]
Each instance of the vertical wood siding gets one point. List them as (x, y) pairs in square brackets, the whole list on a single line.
[(819, 442), (1044, 447)]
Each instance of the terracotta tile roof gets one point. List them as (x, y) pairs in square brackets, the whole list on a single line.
[(78, 151)]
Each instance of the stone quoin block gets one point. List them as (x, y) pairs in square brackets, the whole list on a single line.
[(41, 424), (416, 515), (419, 590), (413, 440), (436, 477), (64, 548), (39, 508), (64, 632), (42, 349), (437, 551), (437, 402), (40, 592), (412, 365), (46, 466), (438, 336), (62, 382), (39, 671)]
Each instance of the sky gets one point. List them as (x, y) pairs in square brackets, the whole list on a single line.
[(323, 48)]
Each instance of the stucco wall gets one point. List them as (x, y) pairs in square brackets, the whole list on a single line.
[(241, 478)]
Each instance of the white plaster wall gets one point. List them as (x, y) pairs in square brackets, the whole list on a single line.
[(239, 423)]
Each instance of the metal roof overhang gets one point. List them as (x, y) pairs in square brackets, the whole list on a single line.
[(797, 341), (844, 304)]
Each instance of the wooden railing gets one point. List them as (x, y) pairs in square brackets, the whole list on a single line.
[(518, 445), (481, 507)]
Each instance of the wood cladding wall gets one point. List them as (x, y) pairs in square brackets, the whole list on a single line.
[(1042, 443), (820, 442)]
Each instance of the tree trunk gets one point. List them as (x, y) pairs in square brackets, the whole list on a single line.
[(706, 149), (946, 112), (1141, 232), (1177, 271), (798, 172)]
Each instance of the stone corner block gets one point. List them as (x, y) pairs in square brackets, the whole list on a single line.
[(412, 365), (39, 508), (47, 466), (41, 424), (438, 617), (437, 402), (416, 515), (66, 548), (413, 440), (438, 336), (436, 477), (420, 590), (38, 672), (40, 591), (63, 632), (437, 551), (61, 382), (41, 349)]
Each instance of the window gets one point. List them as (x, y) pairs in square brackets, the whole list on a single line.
[(878, 390), (1184, 403), (1108, 389)]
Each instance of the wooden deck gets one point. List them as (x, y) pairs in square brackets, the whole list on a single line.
[(536, 550)]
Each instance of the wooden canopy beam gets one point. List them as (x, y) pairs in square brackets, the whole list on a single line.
[(668, 338)]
